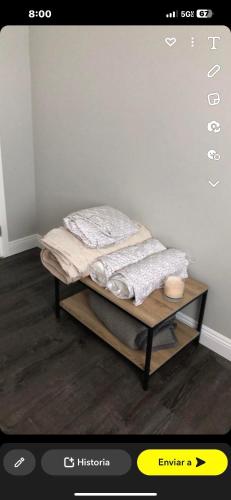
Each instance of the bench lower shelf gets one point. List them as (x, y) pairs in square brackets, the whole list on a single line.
[(77, 305)]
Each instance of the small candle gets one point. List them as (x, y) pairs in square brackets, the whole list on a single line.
[(174, 287)]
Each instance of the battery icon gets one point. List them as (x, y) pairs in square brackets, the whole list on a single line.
[(204, 13)]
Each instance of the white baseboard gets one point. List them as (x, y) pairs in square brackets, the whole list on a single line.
[(22, 244), (210, 338)]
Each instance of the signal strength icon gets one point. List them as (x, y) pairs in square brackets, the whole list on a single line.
[(174, 13)]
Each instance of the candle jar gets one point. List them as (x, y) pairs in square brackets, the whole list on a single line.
[(174, 287)]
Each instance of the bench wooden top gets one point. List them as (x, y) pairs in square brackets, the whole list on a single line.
[(157, 307)]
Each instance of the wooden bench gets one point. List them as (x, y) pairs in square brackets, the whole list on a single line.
[(154, 311)]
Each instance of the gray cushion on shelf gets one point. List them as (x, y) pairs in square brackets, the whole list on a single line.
[(163, 339), (127, 329)]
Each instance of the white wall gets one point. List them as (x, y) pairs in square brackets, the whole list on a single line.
[(16, 132), (121, 118)]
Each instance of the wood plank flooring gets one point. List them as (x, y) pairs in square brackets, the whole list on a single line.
[(56, 377)]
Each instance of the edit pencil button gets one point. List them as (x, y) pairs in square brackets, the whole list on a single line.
[(19, 462)]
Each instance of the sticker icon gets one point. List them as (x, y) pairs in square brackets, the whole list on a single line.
[(214, 126), (213, 155), (214, 70), (214, 99), (170, 41)]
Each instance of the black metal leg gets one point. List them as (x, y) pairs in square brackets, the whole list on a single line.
[(57, 298), (148, 358), (202, 310)]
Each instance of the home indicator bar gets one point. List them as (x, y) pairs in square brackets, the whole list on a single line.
[(115, 494)]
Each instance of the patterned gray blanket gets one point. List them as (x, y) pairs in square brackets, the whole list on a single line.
[(103, 268), (142, 278), (99, 227)]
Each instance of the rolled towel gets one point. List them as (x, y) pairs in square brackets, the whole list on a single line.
[(142, 278), (129, 330), (103, 268), (99, 227)]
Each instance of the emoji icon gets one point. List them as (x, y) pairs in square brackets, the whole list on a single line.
[(213, 155)]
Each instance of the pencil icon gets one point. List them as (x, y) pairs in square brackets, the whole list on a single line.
[(19, 462)]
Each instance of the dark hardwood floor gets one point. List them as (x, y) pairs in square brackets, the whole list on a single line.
[(56, 377)]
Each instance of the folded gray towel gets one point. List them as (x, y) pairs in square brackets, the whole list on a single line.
[(129, 330)]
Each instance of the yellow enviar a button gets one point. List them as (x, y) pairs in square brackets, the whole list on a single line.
[(182, 462)]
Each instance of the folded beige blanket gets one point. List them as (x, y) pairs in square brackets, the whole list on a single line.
[(69, 259)]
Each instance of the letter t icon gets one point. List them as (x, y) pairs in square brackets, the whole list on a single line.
[(214, 38)]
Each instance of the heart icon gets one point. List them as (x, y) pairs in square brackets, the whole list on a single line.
[(170, 41)]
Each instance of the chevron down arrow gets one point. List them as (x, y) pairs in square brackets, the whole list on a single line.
[(214, 184)]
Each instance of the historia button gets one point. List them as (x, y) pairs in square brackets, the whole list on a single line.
[(86, 462)]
